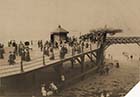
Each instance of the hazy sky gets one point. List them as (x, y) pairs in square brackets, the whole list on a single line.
[(33, 19)]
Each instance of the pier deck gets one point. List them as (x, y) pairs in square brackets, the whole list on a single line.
[(36, 61)]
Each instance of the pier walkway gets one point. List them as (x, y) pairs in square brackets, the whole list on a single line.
[(38, 61)]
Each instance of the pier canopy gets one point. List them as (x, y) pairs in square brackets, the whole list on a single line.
[(59, 35), (106, 30)]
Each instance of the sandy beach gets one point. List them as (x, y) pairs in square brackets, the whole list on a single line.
[(119, 80)]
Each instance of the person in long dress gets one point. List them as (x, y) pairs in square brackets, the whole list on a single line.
[(12, 58), (52, 53), (2, 52)]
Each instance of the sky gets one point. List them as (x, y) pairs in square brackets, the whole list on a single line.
[(35, 19)]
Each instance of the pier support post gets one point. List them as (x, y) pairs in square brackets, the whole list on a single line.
[(34, 86), (97, 57), (81, 62), (100, 51), (72, 63), (21, 64), (43, 59), (59, 70), (100, 57), (1, 88), (82, 66), (91, 50)]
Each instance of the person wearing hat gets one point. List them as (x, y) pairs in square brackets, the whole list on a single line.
[(12, 58)]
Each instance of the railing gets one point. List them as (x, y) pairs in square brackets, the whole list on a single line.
[(123, 40)]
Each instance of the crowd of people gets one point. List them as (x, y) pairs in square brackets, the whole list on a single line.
[(50, 90), (76, 46), (72, 45), (16, 49)]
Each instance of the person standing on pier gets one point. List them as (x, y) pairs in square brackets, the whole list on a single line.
[(51, 53), (23, 54), (46, 50), (38, 44), (41, 47), (82, 44), (63, 52), (79, 50), (27, 54), (20, 48), (31, 42), (9, 43), (131, 57), (73, 50), (87, 45), (15, 47), (12, 58), (1, 51)]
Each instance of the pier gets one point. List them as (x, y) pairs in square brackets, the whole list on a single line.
[(39, 62)]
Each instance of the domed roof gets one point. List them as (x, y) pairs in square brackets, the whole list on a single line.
[(59, 30)]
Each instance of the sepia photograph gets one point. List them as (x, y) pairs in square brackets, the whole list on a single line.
[(69, 48)]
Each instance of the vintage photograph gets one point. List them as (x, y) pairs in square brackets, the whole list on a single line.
[(69, 48)]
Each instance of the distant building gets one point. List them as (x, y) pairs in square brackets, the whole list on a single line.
[(59, 35)]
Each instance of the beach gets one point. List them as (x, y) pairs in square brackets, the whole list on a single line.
[(120, 80)]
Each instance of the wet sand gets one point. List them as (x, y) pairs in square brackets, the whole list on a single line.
[(119, 80)]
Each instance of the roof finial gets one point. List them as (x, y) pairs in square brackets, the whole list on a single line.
[(59, 26)]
